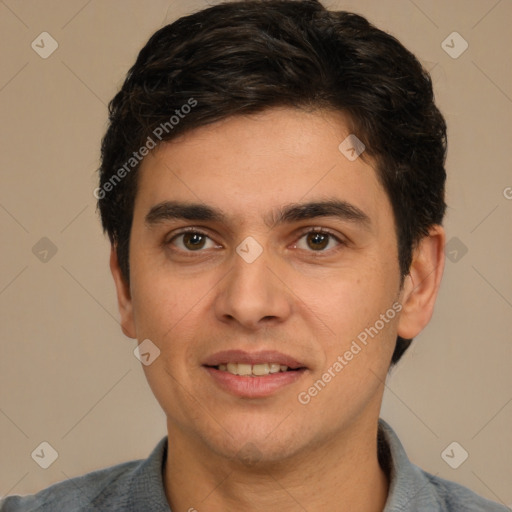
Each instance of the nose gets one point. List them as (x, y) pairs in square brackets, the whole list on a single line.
[(252, 295)]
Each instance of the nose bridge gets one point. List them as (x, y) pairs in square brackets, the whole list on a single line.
[(251, 291), (250, 273)]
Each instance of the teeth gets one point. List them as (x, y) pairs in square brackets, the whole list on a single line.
[(274, 367), (260, 369), (244, 369), (252, 370)]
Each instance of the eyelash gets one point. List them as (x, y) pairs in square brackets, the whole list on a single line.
[(319, 230)]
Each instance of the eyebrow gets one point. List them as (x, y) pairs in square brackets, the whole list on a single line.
[(176, 210)]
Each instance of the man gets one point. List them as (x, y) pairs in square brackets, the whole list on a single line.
[(272, 183)]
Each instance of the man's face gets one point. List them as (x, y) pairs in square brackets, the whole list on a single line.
[(253, 285)]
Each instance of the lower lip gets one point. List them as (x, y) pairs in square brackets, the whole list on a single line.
[(253, 387)]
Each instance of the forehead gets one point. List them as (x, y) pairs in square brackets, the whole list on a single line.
[(246, 166)]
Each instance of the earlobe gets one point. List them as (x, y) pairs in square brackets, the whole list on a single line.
[(124, 300), (422, 284)]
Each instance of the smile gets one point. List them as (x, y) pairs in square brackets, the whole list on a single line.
[(252, 370), (253, 374)]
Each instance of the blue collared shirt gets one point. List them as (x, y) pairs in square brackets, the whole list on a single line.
[(137, 486)]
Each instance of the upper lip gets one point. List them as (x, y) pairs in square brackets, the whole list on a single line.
[(241, 356)]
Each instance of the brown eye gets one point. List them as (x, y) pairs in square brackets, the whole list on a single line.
[(193, 241), (317, 241)]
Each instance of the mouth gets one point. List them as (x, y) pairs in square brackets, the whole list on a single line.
[(253, 375), (254, 370)]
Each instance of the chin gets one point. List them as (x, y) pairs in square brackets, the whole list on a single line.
[(254, 446)]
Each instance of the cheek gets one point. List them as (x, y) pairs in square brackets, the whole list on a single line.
[(359, 312), (347, 300), (358, 308), (168, 314), (160, 299), (170, 311)]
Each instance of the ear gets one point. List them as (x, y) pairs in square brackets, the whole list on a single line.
[(422, 283), (124, 300)]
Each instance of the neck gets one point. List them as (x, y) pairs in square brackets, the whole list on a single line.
[(343, 475)]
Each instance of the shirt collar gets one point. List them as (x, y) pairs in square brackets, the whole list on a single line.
[(147, 484), (408, 484)]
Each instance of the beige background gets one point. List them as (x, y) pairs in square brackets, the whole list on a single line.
[(68, 376)]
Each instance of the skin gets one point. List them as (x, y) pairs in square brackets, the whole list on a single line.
[(271, 453)]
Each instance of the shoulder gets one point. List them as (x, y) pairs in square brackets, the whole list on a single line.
[(412, 488), (454, 497), (130, 486), (74, 494)]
